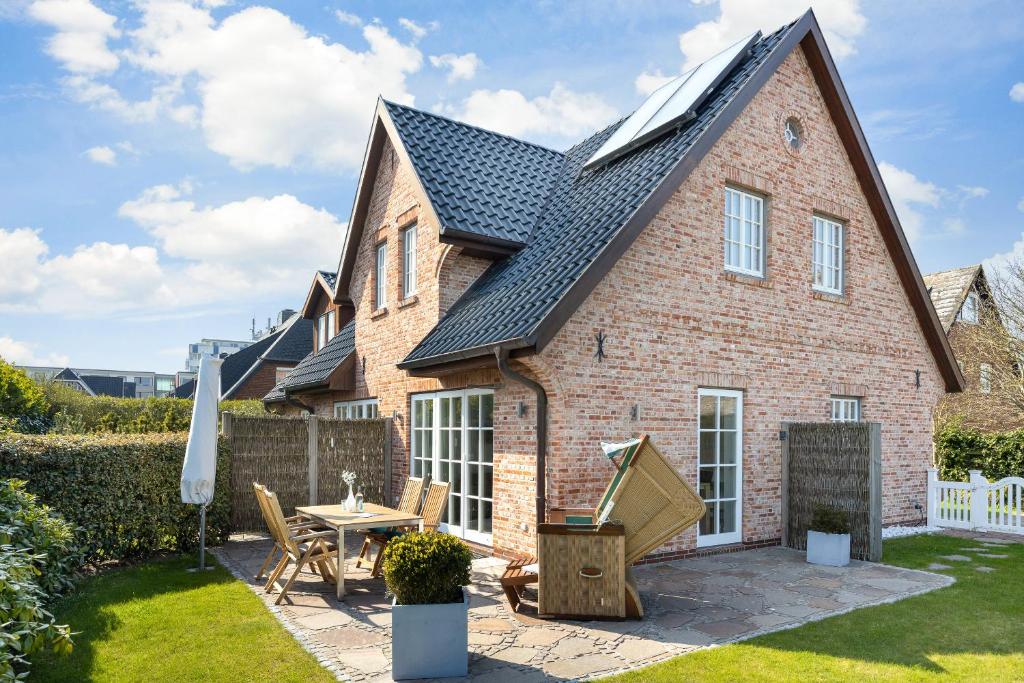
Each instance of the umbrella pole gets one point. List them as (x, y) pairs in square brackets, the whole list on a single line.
[(202, 541)]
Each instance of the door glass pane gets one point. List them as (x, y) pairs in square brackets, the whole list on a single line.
[(707, 483), (472, 514), (727, 482), (727, 517), (707, 447), (446, 412), (474, 411), (707, 522), (473, 446), (456, 478), (456, 445), (485, 517), (487, 410), (488, 446), (707, 412), (727, 451), (487, 476), (457, 411), (445, 445), (473, 474)]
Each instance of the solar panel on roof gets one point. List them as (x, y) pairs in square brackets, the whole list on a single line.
[(672, 104)]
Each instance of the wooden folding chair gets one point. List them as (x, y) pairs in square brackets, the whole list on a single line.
[(412, 497), (295, 523), (434, 505), (303, 547)]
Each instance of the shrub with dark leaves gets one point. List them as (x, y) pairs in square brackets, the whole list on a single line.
[(426, 568)]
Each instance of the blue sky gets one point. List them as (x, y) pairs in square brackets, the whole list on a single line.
[(170, 170)]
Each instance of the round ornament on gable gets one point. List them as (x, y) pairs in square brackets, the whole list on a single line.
[(793, 133)]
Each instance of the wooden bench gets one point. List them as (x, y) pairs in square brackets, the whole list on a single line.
[(515, 577)]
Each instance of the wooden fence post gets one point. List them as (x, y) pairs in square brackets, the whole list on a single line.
[(388, 431), (313, 451), (225, 425), (875, 495), (979, 500), (784, 439)]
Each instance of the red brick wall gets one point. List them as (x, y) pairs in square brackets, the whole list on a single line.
[(261, 381)]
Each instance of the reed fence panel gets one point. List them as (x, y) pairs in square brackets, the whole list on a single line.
[(358, 446)]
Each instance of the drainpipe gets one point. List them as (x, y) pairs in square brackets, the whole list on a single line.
[(542, 426)]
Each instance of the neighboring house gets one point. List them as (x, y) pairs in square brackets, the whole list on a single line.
[(253, 371), (96, 385), (484, 279), (968, 313), (144, 384)]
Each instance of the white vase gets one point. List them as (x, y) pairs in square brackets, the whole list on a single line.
[(350, 502)]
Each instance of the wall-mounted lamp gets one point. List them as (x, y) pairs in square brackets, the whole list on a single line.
[(521, 409), (634, 412), (917, 378)]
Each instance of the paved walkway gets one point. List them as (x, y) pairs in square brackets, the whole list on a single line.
[(689, 604)]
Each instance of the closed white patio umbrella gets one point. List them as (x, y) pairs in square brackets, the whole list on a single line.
[(199, 471)]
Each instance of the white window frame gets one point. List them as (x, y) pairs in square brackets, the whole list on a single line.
[(433, 433), (321, 332), (737, 535), (364, 409), (845, 408), (972, 297), (827, 255), (744, 233), (409, 261), (985, 378), (330, 325), (381, 277)]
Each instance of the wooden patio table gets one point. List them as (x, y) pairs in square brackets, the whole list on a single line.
[(373, 516)]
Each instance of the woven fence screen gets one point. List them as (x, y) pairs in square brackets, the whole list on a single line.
[(834, 464), (278, 453)]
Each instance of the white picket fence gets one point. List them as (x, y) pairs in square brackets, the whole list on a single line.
[(977, 504)]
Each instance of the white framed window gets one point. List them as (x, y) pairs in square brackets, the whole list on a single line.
[(280, 374), (452, 439), (321, 332), (969, 310), (720, 465), (381, 276), (409, 262), (845, 409), (827, 261), (330, 325), (744, 233), (365, 409), (985, 378)]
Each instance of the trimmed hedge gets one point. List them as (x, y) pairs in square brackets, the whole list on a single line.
[(959, 449), (123, 490)]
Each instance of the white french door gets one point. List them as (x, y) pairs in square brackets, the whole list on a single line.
[(453, 440), (720, 465)]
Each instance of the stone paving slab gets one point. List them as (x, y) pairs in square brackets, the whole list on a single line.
[(689, 604)]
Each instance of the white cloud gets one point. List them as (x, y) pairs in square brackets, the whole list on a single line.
[(83, 29), (972, 191), (908, 194), (102, 155), (460, 67), (347, 18), (418, 30), (1017, 92), (649, 81), (263, 90), (561, 113), (24, 353), (841, 22), (20, 251), (954, 227), (1020, 205)]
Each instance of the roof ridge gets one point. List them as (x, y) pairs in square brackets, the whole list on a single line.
[(973, 266), (475, 127)]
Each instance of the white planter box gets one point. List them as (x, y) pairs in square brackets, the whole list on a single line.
[(430, 641), (828, 549)]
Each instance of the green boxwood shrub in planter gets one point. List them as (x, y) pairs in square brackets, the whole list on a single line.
[(425, 572), (828, 537)]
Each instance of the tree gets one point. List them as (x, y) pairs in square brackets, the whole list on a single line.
[(21, 399)]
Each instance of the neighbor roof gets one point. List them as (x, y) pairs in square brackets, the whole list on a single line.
[(948, 289), (316, 368), (185, 389), (291, 344), (101, 385)]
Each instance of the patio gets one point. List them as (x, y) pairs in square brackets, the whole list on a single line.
[(690, 604)]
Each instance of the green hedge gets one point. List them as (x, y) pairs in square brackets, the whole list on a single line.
[(123, 490), (959, 449)]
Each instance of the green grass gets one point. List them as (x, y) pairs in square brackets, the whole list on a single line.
[(158, 622), (971, 630)]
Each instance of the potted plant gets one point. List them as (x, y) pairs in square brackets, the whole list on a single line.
[(425, 572), (828, 537)]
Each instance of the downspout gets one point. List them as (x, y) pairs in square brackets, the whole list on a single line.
[(542, 426)]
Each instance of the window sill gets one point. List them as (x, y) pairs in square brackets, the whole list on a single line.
[(379, 313), (744, 279), (828, 296), (408, 301)]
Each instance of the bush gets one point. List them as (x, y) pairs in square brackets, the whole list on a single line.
[(22, 401), (959, 449), (830, 520), (426, 568), (249, 407), (27, 627), (123, 490), (27, 524)]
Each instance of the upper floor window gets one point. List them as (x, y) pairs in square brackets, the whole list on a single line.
[(969, 310), (280, 374), (380, 297), (330, 324), (827, 262), (409, 262), (321, 332), (845, 409), (744, 233)]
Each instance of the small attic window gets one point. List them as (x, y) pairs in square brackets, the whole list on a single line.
[(793, 132), (969, 310)]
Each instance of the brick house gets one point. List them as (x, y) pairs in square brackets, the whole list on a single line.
[(967, 310), (511, 306)]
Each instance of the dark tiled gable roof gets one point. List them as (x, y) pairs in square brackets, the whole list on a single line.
[(585, 211), (316, 368), (294, 344), (330, 277), (185, 389), (948, 289), (478, 182), (110, 386), (239, 363)]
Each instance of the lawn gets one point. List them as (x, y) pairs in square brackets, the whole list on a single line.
[(158, 622), (973, 629)]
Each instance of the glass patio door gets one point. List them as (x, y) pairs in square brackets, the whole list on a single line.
[(453, 441), (720, 465)]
